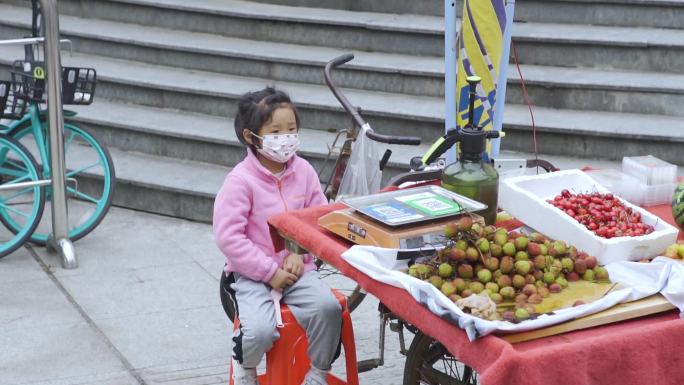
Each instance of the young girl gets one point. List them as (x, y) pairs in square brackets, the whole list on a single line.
[(270, 180)]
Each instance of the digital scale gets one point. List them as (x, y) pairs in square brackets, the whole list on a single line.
[(402, 219)]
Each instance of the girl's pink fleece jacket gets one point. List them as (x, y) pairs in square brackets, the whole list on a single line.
[(249, 196)]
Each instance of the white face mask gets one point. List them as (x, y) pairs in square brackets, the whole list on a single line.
[(278, 147)]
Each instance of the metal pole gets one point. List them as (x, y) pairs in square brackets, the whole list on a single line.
[(22, 185), (503, 77), (24, 41), (450, 69), (29, 40), (59, 239)]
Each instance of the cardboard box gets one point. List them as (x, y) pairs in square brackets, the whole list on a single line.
[(525, 198)]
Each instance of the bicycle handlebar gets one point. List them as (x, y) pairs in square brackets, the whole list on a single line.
[(336, 62), (546, 165), (389, 139)]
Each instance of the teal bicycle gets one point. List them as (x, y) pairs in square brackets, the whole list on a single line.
[(89, 168), (22, 197)]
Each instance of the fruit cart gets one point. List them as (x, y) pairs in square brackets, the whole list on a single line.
[(636, 351)]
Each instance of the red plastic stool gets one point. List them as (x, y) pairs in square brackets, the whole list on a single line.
[(287, 362)]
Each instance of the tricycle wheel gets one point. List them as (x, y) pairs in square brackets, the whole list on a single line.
[(429, 362), (336, 280)]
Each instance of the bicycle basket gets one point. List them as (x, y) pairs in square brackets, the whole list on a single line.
[(12, 101), (31, 76), (78, 84)]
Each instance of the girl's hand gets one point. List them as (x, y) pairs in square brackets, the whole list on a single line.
[(294, 263), (282, 279)]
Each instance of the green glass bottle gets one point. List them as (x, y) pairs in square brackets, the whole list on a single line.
[(475, 179), (470, 176)]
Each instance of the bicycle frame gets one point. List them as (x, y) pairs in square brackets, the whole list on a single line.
[(33, 116), (333, 184), (357, 125)]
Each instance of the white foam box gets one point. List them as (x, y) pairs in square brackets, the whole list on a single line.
[(526, 197)]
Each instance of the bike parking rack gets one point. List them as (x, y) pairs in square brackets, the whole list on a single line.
[(59, 239), (30, 40)]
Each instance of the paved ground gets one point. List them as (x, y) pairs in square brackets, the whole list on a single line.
[(142, 308)]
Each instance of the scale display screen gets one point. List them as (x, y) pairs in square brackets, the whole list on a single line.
[(413, 206), (433, 240)]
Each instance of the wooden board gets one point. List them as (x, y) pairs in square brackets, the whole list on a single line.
[(646, 306)]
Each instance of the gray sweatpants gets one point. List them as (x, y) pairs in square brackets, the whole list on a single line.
[(313, 305)]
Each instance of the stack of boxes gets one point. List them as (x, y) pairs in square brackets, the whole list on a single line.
[(644, 180)]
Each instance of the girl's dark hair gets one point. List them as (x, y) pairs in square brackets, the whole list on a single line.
[(256, 108)]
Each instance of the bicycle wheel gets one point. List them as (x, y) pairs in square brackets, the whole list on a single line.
[(339, 282), (429, 362), (90, 180), (226, 296), (21, 207)]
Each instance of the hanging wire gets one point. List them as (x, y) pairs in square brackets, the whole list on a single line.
[(526, 97)]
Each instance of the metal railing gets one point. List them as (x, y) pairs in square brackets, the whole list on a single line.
[(30, 40), (59, 239)]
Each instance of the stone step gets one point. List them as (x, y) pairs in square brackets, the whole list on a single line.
[(650, 49), (206, 138), (166, 186), (416, 7), (217, 94), (211, 139), (565, 132), (591, 134), (186, 189), (166, 133), (627, 13), (598, 89), (557, 87), (309, 26), (637, 13), (397, 73)]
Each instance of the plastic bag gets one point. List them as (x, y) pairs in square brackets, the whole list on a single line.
[(363, 175)]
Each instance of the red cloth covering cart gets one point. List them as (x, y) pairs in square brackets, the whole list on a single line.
[(646, 350)]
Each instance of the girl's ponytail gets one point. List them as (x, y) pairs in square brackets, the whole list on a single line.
[(245, 109)]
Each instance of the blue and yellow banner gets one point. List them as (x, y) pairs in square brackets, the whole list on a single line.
[(480, 47)]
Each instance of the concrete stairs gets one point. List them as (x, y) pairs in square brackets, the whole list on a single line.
[(170, 72), (630, 13)]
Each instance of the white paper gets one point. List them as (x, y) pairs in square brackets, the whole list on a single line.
[(644, 279)]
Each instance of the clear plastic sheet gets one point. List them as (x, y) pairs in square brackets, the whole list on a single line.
[(363, 175)]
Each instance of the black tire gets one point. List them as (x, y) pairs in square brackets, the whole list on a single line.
[(41, 202), (429, 362), (226, 296), (354, 295)]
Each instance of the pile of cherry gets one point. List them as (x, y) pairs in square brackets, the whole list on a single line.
[(603, 214)]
